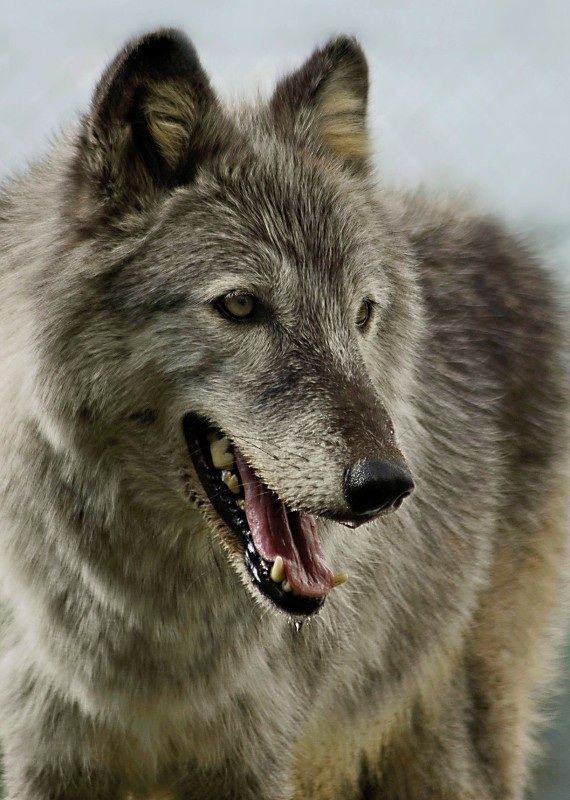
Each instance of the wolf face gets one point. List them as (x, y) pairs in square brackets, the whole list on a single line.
[(251, 316)]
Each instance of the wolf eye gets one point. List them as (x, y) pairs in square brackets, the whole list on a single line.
[(364, 313), (236, 305)]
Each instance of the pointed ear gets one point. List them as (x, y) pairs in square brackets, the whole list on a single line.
[(325, 101), (152, 119)]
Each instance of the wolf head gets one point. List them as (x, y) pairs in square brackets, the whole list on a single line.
[(239, 316)]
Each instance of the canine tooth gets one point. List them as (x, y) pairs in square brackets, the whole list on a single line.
[(286, 586), (231, 481), (277, 573), (339, 578), (221, 458)]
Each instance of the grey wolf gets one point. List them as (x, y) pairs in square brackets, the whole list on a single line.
[(235, 372)]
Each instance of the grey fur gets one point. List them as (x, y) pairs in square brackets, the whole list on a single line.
[(136, 658)]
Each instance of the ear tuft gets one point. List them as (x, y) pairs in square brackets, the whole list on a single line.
[(331, 88), (150, 120), (341, 105), (170, 113)]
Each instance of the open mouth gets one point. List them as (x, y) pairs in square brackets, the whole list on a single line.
[(282, 551)]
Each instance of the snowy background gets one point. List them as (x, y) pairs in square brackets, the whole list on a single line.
[(472, 96)]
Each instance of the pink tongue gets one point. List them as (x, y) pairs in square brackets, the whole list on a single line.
[(276, 531)]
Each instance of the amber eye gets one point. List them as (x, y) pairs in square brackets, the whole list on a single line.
[(364, 314), (236, 305)]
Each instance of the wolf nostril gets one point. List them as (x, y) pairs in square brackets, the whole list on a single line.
[(374, 484)]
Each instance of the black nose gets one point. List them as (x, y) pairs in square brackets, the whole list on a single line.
[(374, 484)]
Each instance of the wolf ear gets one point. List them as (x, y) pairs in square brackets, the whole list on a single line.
[(325, 102), (152, 119)]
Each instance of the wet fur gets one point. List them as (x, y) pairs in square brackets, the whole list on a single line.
[(135, 661)]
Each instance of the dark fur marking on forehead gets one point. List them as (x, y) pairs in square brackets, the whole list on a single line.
[(166, 302), (146, 416)]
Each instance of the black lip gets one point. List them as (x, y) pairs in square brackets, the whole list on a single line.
[(223, 501)]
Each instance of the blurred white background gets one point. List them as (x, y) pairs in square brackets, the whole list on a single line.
[(471, 96)]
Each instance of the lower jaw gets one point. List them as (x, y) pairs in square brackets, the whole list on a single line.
[(223, 501)]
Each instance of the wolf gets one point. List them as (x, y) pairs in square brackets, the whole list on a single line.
[(283, 475)]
